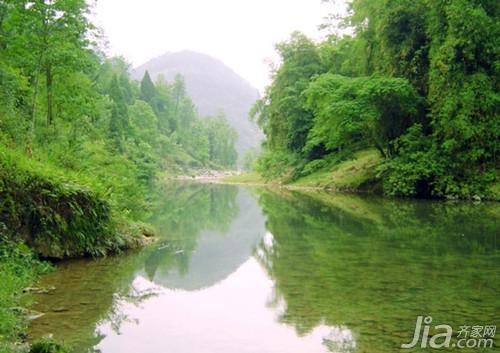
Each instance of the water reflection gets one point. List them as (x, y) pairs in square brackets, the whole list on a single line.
[(230, 316), (374, 265), (183, 212), (257, 271), (213, 250)]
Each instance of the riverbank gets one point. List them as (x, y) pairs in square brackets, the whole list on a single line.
[(19, 269), (59, 215), (355, 175), (206, 175), (48, 212), (360, 174)]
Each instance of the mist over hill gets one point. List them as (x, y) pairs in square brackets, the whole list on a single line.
[(213, 87)]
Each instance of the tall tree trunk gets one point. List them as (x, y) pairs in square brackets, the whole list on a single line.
[(50, 114), (33, 104)]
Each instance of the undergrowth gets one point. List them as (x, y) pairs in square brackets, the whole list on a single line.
[(18, 269)]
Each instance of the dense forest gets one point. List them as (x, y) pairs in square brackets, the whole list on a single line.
[(414, 83), (69, 115)]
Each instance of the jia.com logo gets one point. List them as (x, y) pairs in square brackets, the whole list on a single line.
[(476, 336)]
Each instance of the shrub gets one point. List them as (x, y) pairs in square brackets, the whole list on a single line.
[(47, 345), (421, 169), (56, 216), (414, 170), (275, 164)]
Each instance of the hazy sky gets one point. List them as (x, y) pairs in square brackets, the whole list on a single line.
[(240, 33)]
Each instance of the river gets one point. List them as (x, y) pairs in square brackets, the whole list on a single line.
[(251, 270)]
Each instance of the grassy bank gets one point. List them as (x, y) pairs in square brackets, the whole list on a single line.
[(359, 173), (246, 178), (355, 174), (55, 215), (50, 212)]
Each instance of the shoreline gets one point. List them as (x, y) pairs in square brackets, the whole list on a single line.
[(226, 180)]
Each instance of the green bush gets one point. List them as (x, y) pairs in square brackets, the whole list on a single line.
[(275, 164), (313, 166), (414, 170), (56, 216), (47, 345), (421, 169)]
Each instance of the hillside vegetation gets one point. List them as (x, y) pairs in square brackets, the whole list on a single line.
[(213, 87), (417, 80), (81, 144)]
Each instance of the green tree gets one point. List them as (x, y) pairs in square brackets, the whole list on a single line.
[(395, 37), (115, 129), (57, 33), (119, 116), (282, 112), (433, 63), (376, 110), (144, 123), (163, 106), (221, 140), (148, 89), (464, 96)]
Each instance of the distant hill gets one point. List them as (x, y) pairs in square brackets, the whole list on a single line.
[(213, 87)]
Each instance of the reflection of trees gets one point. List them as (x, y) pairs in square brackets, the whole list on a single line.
[(182, 212), (117, 317), (85, 292), (88, 292), (374, 265), (183, 209)]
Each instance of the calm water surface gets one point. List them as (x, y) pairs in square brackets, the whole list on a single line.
[(256, 271)]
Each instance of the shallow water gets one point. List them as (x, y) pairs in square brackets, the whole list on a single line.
[(257, 271)]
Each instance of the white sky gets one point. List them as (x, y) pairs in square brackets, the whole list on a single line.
[(240, 33)]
